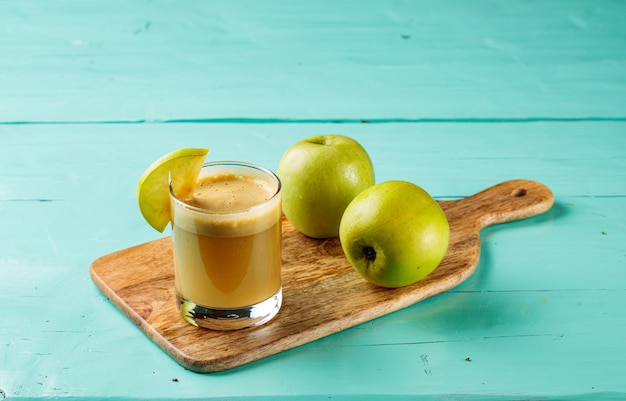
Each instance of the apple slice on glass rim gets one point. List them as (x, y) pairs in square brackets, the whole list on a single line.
[(181, 168)]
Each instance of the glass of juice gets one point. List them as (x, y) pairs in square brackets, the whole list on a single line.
[(227, 247)]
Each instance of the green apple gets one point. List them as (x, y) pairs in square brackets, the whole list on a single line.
[(320, 177), (394, 233)]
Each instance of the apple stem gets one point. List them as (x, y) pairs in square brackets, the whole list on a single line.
[(370, 253)]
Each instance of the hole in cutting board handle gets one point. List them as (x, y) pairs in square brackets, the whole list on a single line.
[(519, 192)]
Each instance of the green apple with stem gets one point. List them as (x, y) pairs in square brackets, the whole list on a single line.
[(320, 176), (394, 233)]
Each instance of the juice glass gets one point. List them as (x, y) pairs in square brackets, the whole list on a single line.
[(227, 247)]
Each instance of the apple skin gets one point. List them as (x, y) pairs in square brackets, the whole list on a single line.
[(320, 176), (394, 234)]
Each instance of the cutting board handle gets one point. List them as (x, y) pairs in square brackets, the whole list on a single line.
[(507, 201)]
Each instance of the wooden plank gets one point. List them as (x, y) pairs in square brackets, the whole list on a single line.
[(540, 317), (327, 60), (322, 293)]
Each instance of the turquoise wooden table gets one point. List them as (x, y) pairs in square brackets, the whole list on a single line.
[(455, 96)]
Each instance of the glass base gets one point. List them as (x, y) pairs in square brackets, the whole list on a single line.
[(230, 319)]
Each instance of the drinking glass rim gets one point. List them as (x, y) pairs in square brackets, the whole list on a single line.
[(257, 167)]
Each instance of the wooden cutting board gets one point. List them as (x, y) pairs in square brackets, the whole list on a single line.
[(322, 294)]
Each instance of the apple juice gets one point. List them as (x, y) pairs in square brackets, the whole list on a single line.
[(227, 240)]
